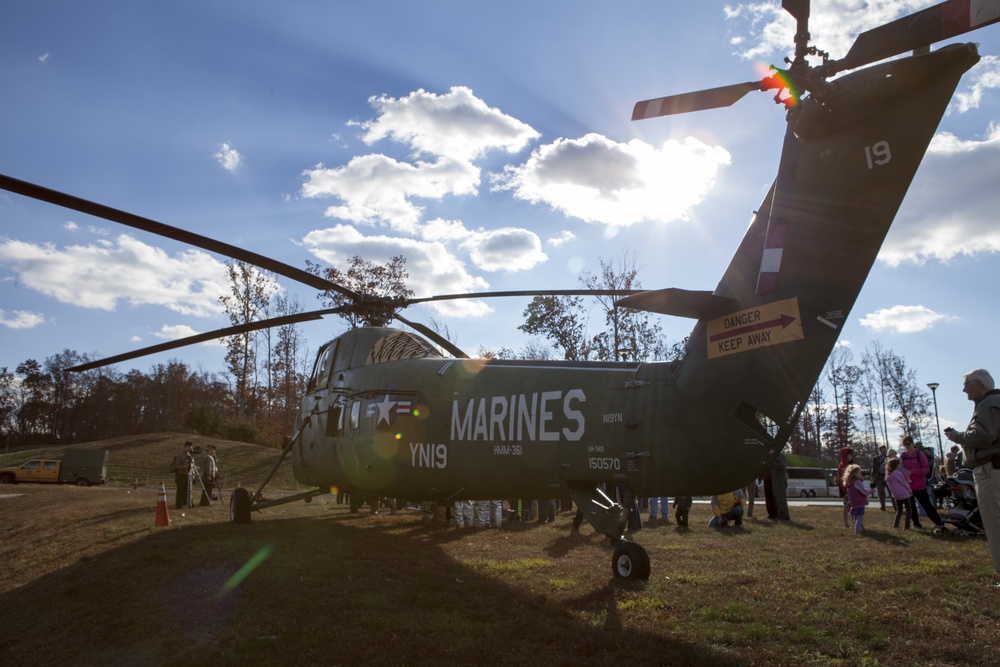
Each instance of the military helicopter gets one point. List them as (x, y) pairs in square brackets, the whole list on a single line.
[(386, 413)]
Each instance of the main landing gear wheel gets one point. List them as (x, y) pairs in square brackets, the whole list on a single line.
[(630, 561)]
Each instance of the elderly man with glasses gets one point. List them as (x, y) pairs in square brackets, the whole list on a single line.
[(981, 447)]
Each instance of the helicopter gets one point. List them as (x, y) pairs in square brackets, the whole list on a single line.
[(392, 413)]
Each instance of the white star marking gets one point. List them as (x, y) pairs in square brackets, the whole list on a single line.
[(384, 407)]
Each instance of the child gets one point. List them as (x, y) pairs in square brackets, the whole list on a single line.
[(900, 489), (857, 495)]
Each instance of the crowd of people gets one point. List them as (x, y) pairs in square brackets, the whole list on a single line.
[(901, 477)]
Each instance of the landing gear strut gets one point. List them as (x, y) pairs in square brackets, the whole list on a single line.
[(629, 561)]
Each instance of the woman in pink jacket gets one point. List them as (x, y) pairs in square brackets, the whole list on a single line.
[(916, 462)]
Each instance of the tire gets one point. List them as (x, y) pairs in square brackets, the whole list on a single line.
[(630, 562), (82, 482), (239, 506), (6, 479), (803, 494), (812, 494)]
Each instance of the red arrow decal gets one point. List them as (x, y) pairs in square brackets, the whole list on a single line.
[(782, 322)]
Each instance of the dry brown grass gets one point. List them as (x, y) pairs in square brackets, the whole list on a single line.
[(86, 578)]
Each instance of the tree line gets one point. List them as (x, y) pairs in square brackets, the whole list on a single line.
[(256, 398)]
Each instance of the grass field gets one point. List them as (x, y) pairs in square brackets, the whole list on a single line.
[(88, 580)]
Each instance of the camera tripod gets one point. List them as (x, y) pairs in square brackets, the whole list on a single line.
[(195, 473)]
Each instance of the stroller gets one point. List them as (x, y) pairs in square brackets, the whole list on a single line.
[(964, 514)]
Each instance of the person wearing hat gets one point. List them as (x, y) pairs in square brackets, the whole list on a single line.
[(209, 475), (182, 469)]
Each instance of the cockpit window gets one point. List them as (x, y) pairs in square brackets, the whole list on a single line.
[(321, 371), (400, 345)]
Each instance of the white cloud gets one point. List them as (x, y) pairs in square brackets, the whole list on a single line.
[(902, 319), (432, 268), (229, 158), (951, 206), (377, 189), (70, 226), (505, 249), (764, 30), (175, 331), (102, 274), (178, 331), (444, 231), (21, 319), (984, 76), (44, 57), (598, 180), (454, 129), (565, 236), (457, 125)]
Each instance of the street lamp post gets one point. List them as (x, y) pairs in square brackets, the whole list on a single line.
[(933, 386)]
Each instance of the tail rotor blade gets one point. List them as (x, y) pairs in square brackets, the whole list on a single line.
[(712, 98)]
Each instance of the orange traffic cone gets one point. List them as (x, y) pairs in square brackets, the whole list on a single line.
[(162, 516)]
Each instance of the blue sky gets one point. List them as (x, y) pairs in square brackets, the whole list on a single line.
[(490, 144)]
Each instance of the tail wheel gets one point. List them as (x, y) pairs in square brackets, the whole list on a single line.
[(630, 561)]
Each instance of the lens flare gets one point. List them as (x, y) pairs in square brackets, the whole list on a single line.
[(255, 561)]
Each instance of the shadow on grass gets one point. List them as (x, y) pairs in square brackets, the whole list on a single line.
[(323, 590)]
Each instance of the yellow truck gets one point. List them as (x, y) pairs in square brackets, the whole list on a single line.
[(82, 467)]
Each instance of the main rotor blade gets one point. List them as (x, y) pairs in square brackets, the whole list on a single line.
[(211, 335), (799, 9), (434, 336), (490, 295), (147, 225), (712, 98), (944, 21)]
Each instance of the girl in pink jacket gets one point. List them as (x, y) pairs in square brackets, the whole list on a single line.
[(895, 479), (857, 495)]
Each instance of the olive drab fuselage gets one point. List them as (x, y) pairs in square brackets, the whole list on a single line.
[(386, 414)]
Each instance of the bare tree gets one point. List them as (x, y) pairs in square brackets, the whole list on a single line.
[(558, 319), (251, 293), (906, 396), (627, 333), (369, 279)]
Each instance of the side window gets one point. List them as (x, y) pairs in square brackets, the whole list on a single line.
[(50, 465), (335, 421), (355, 415), (32, 465)]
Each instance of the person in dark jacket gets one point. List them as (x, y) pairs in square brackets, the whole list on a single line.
[(779, 487), (878, 475), (182, 476)]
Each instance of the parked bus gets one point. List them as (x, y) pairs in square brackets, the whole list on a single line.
[(808, 482)]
